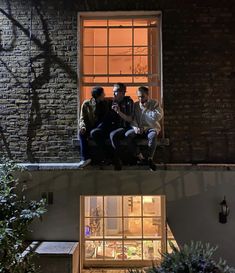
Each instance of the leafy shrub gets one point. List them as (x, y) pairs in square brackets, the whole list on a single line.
[(191, 258), (16, 213)]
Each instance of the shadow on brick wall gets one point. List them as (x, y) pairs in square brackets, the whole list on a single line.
[(36, 80)]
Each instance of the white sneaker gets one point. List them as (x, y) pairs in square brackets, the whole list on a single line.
[(84, 163)]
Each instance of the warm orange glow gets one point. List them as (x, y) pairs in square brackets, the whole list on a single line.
[(120, 50), (123, 228)]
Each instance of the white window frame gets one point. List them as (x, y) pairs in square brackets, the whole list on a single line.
[(118, 263), (117, 14)]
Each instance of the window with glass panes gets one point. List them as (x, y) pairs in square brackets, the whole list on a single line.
[(118, 229), (120, 49)]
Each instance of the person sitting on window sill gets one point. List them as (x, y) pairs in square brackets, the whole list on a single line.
[(118, 121), (146, 116), (93, 112)]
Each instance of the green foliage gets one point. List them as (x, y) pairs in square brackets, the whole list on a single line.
[(16, 213), (191, 258)]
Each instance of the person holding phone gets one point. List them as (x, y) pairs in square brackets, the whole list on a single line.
[(120, 117)]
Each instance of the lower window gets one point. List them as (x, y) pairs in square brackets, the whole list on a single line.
[(117, 230)]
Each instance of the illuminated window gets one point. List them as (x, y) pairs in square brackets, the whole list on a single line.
[(118, 229), (120, 49)]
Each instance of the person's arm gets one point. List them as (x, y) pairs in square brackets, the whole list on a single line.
[(83, 117), (154, 114), (127, 118)]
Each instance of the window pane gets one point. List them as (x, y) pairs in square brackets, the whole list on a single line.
[(94, 206), (132, 204), (132, 227), (108, 91), (123, 79), (132, 250), (120, 37), (152, 227), (140, 65), (95, 64), (94, 23), (93, 227), (100, 80), (120, 65), (140, 22), (88, 64), (113, 206), (140, 50), (93, 250), (152, 206), (144, 22), (120, 22), (141, 79), (131, 91), (120, 50), (113, 227), (95, 51), (113, 250), (141, 37), (95, 37), (88, 50), (152, 250), (155, 93), (95, 79)]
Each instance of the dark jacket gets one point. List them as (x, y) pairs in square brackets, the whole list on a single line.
[(126, 107)]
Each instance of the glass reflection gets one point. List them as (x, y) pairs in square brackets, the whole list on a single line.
[(132, 250), (94, 206), (113, 250), (152, 250), (113, 227), (152, 227), (94, 250), (132, 227), (151, 205), (93, 227), (132, 204), (113, 206)]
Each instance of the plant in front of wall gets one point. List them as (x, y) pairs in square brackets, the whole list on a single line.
[(16, 213), (192, 258)]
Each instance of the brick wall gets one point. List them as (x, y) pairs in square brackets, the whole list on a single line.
[(198, 70)]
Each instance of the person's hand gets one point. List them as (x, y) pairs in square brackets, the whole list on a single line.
[(116, 108), (143, 105), (138, 130), (83, 130)]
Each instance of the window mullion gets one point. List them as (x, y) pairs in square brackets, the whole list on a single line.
[(108, 50), (133, 50)]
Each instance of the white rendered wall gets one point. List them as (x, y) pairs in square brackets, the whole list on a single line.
[(193, 199)]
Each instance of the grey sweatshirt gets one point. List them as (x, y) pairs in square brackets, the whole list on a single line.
[(149, 116)]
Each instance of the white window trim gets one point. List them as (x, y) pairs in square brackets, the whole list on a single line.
[(102, 14)]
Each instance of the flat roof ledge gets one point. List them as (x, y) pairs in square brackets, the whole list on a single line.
[(162, 167)]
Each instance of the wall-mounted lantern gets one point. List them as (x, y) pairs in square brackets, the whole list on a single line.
[(224, 212)]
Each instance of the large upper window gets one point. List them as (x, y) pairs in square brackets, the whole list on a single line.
[(118, 229), (120, 48)]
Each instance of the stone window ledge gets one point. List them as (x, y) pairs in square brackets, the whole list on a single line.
[(161, 167), (141, 142)]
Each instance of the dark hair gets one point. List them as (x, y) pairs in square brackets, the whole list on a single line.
[(143, 89), (97, 91), (121, 86)]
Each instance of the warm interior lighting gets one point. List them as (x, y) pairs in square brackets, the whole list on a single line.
[(122, 229), (120, 50)]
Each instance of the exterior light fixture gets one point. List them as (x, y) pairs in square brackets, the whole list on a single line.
[(224, 212)]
